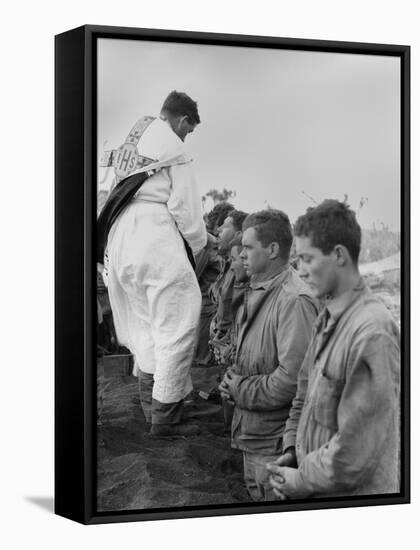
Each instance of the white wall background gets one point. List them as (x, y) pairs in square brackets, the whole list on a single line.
[(27, 273)]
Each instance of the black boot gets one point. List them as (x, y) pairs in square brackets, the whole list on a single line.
[(167, 420)]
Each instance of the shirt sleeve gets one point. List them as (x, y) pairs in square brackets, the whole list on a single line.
[(366, 414), (289, 434), (277, 390), (184, 204)]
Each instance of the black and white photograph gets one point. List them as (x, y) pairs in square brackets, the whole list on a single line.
[(209, 234), (248, 275)]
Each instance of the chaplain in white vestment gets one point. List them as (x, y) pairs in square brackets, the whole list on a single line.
[(153, 290)]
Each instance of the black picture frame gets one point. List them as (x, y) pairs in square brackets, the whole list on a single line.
[(75, 280)]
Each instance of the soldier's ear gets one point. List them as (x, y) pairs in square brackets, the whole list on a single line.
[(342, 255), (274, 250)]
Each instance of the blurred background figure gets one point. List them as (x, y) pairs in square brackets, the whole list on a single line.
[(208, 269)]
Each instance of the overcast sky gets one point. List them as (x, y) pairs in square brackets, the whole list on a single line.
[(277, 125)]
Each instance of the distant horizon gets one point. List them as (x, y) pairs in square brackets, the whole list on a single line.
[(374, 225)]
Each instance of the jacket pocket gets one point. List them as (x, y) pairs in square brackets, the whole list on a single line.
[(326, 400)]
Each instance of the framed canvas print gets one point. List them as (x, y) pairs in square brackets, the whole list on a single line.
[(232, 274)]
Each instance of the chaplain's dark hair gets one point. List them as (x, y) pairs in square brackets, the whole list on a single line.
[(217, 215), (238, 218), (180, 104), (271, 226), (329, 224)]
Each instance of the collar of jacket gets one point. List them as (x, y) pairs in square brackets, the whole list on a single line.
[(274, 281), (337, 306)]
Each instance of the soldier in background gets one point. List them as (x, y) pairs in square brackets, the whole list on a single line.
[(222, 289), (224, 346), (209, 266)]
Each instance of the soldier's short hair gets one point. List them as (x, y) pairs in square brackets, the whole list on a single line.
[(271, 226), (329, 224)]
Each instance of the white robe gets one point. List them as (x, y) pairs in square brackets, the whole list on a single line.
[(153, 290)]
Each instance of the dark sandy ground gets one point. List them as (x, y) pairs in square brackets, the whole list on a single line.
[(136, 471)]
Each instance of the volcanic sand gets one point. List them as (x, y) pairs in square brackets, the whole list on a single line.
[(136, 471)]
